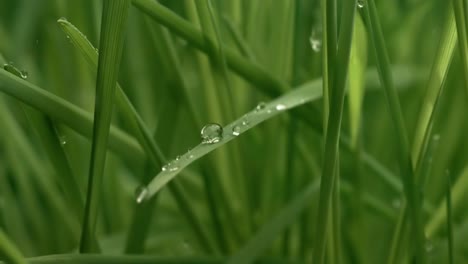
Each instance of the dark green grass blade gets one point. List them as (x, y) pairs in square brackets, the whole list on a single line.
[(330, 165), (71, 115), (114, 17), (405, 161), (128, 259)]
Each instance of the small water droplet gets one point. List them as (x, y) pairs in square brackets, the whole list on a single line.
[(436, 137), (173, 168), (260, 107), (315, 40), (280, 107), (141, 193), (429, 245), (68, 37), (211, 133), (190, 156), (396, 203), (236, 130), (9, 67), (361, 3), (177, 158), (63, 140), (165, 167)]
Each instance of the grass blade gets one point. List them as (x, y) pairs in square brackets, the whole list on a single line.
[(449, 218), (112, 34), (8, 250), (337, 92)]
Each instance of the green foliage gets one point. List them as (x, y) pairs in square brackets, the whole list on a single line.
[(339, 124)]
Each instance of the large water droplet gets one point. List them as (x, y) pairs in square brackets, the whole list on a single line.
[(236, 130), (315, 40), (260, 107), (141, 193), (361, 3), (280, 107), (9, 67), (211, 133)]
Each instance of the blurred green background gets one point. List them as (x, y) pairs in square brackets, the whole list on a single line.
[(261, 170)]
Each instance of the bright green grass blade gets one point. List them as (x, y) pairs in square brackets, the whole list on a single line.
[(437, 77), (438, 219), (8, 250), (128, 259), (331, 154), (461, 24), (71, 115), (405, 161), (357, 69), (264, 237), (114, 17)]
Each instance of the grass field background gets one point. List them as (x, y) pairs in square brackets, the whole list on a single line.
[(342, 131)]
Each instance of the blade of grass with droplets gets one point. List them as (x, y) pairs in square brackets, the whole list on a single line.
[(8, 251), (114, 16), (71, 115), (331, 152), (301, 95), (404, 159)]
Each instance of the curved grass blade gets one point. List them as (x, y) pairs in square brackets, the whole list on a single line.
[(114, 16), (448, 204), (8, 251), (69, 114)]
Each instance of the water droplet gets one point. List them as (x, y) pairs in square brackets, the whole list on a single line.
[(236, 130), (173, 168), (141, 193), (361, 3), (396, 203), (436, 137), (63, 140), (429, 245), (9, 67), (315, 40), (190, 156), (280, 107), (165, 167), (177, 158), (260, 107), (68, 37), (211, 133)]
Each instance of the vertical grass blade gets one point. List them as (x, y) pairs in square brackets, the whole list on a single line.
[(460, 19), (449, 218), (405, 161), (114, 17), (334, 127)]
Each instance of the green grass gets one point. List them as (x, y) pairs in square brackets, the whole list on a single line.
[(353, 152)]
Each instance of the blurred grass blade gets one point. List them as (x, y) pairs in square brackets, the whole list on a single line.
[(71, 115), (461, 23), (8, 251), (269, 231), (449, 218), (331, 152), (189, 32), (129, 259), (404, 159), (114, 16), (438, 219), (437, 77), (357, 69)]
